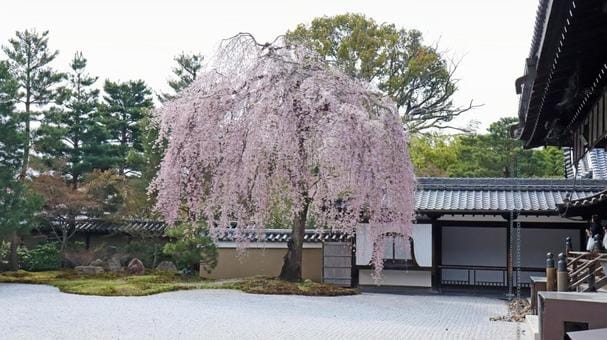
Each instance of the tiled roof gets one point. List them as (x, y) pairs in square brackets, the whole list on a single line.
[(283, 235), (499, 195), (586, 206), (94, 225), (434, 195), (592, 165), (157, 227)]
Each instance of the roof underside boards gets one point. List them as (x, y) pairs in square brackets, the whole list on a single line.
[(569, 54)]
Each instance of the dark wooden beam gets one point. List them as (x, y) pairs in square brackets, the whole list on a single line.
[(437, 246)]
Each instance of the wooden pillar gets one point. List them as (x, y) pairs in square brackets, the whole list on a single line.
[(562, 276), (354, 270), (88, 241), (550, 273), (437, 246)]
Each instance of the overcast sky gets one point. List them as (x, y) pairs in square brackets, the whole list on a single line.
[(137, 39)]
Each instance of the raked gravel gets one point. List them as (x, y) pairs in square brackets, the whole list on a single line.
[(42, 312)]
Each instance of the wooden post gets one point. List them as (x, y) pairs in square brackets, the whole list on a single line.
[(562, 276), (568, 245), (591, 279), (437, 245), (550, 273), (509, 269)]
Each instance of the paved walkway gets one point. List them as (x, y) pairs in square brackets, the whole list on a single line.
[(42, 312)]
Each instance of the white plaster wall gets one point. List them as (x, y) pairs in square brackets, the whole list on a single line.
[(401, 278), (476, 246), (535, 243)]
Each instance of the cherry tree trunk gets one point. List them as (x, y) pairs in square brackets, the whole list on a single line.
[(291, 268)]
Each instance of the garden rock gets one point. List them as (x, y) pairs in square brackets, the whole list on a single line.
[(89, 269), (113, 264), (167, 266), (136, 267), (98, 263)]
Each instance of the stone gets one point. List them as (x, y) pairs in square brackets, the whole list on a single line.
[(114, 265), (135, 267), (167, 266), (98, 263), (91, 270)]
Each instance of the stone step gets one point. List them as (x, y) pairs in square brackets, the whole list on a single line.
[(533, 326)]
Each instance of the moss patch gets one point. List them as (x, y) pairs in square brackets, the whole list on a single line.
[(153, 283)]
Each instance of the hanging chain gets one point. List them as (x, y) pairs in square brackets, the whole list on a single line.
[(518, 259), (510, 231)]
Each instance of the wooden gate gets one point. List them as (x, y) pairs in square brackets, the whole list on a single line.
[(337, 263)]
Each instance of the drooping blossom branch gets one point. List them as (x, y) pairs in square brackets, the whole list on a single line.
[(269, 124)]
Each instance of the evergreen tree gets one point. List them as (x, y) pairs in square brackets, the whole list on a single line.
[(126, 105), (186, 71), (29, 59), (71, 137), (17, 204), (11, 140)]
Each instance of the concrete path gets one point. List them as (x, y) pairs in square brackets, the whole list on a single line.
[(42, 312)]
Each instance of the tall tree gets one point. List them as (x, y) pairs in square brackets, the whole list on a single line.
[(126, 105), (18, 204), (417, 77), (29, 58), (490, 154), (186, 71), (72, 136), (271, 121)]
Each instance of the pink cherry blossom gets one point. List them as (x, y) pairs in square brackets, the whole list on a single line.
[(273, 124)]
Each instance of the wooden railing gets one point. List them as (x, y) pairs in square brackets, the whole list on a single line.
[(585, 271)]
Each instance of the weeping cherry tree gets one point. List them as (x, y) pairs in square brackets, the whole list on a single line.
[(272, 124)]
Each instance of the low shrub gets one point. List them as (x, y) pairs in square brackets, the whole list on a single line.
[(190, 248), (45, 256), (5, 249), (147, 250)]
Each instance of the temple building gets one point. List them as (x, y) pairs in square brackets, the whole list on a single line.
[(563, 102)]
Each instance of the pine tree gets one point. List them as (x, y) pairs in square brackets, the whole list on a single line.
[(29, 59), (126, 104), (17, 203), (187, 69), (11, 140), (71, 138)]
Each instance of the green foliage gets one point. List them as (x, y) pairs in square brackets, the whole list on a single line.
[(11, 138), (414, 74), (433, 154), (493, 154), (18, 206), (4, 250), (189, 247), (149, 251), (45, 256), (126, 104), (72, 139), (29, 59), (186, 71)]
